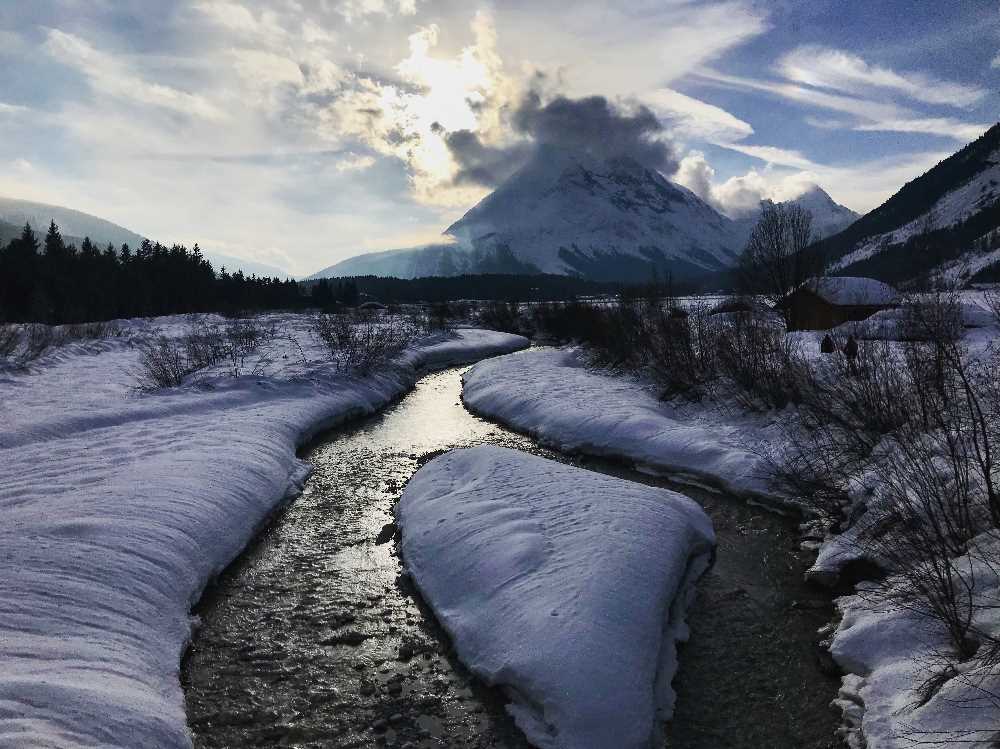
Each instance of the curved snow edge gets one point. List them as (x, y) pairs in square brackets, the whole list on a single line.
[(567, 588), (551, 397)]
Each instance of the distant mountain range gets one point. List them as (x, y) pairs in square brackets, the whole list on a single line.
[(943, 225), (565, 213), (75, 225)]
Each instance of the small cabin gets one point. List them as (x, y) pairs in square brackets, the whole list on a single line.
[(824, 303), (372, 307)]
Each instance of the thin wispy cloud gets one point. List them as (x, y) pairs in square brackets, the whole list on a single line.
[(871, 115), (113, 77), (836, 69), (692, 118)]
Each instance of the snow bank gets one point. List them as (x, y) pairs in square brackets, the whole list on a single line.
[(569, 588), (116, 509), (906, 685), (552, 395)]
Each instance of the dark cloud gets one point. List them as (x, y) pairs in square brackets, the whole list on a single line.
[(593, 126), (481, 164), (598, 128)]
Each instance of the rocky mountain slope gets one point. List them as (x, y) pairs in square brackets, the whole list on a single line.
[(943, 224)]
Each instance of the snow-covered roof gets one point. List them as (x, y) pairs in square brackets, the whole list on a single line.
[(846, 291)]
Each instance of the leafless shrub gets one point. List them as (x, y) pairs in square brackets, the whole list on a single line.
[(847, 407), (90, 331), (503, 316), (924, 425), (10, 340), (163, 364), (766, 367), (686, 352), (38, 339), (166, 362), (204, 344), (362, 343)]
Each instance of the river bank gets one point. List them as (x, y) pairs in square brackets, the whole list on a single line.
[(118, 507)]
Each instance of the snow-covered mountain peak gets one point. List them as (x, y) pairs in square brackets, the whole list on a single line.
[(568, 212), (829, 217)]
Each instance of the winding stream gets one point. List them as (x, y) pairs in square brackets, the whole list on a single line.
[(314, 637)]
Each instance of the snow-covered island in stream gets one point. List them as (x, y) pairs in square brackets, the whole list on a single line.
[(566, 587)]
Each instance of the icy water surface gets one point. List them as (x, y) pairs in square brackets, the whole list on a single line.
[(315, 638)]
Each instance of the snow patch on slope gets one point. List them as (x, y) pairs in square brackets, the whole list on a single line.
[(569, 588)]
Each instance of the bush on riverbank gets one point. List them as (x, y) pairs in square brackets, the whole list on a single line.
[(360, 343), (686, 353), (916, 421), (166, 362)]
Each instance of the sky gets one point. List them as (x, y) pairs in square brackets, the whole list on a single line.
[(302, 132)]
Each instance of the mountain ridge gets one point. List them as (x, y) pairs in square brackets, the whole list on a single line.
[(950, 212), (567, 213)]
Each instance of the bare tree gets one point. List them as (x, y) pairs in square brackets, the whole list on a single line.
[(775, 261)]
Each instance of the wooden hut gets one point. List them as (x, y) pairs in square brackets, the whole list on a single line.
[(824, 303)]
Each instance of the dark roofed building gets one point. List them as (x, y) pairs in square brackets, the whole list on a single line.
[(824, 303)]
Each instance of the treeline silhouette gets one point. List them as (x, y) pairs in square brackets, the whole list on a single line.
[(54, 282), (507, 287), (51, 281)]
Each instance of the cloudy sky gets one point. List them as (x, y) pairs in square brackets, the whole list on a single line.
[(301, 132)]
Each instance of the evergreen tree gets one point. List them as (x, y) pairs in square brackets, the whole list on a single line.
[(19, 276)]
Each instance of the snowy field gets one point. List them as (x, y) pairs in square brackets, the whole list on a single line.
[(117, 507), (902, 687), (566, 587)]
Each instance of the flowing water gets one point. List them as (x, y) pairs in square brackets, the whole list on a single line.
[(315, 637)]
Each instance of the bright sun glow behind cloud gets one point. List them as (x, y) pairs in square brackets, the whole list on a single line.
[(436, 95)]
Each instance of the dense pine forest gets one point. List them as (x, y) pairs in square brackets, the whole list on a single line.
[(51, 281), (46, 279)]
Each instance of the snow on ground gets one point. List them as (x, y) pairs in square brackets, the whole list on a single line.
[(906, 685), (569, 588), (552, 395), (888, 652), (118, 507)]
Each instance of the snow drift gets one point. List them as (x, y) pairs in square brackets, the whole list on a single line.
[(566, 587), (552, 395), (116, 511)]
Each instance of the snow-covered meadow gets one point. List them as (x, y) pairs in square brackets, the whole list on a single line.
[(119, 506), (904, 682), (566, 587)]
